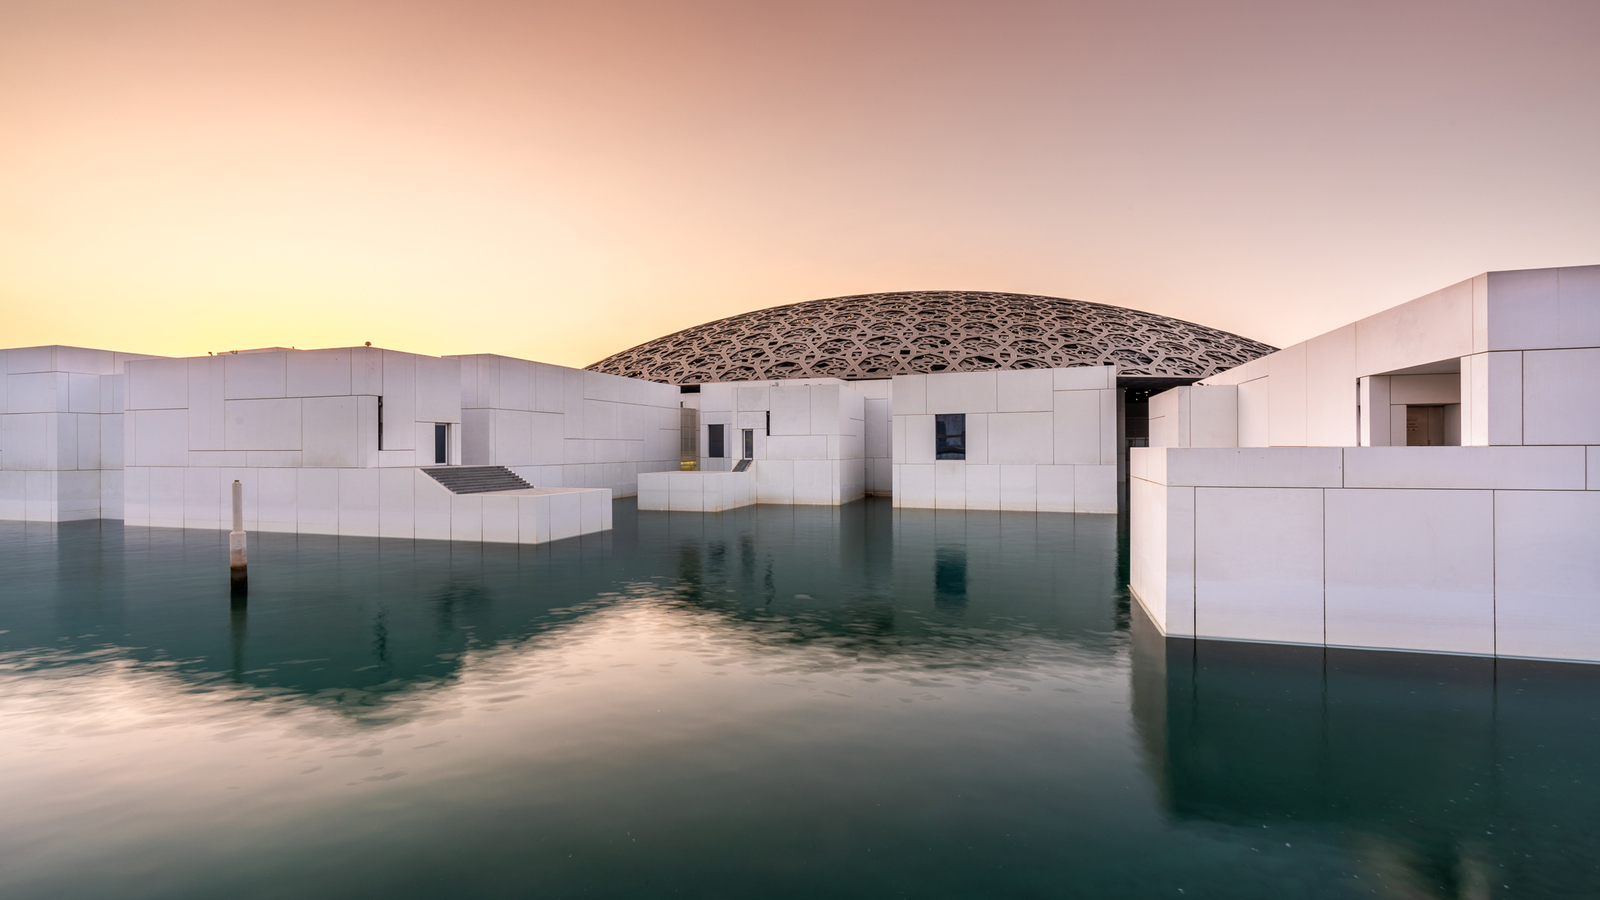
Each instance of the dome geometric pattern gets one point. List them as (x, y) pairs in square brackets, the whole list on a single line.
[(879, 335)]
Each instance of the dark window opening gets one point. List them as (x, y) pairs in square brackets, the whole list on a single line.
[(714, 441), (749, 443), (380, 423), (441, 444), (688, 388), (950, 436)]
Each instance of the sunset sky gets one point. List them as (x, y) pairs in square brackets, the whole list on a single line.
[(561, 181)]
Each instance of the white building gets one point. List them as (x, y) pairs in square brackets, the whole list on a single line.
[(323, 442), (1427, 478), (1037, 440), (349, 441), (337, 441), (806, 441), (1040, 440)]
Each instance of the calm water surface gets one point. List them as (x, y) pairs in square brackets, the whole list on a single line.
[(771, 702)]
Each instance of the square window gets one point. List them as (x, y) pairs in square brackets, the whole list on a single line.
[(950, 436)]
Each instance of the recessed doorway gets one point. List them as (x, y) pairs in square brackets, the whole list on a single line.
[(1433, 426)]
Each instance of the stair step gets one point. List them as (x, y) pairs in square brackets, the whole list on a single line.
[(477, 479)]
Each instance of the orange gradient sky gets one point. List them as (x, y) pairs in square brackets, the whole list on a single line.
[(561, 181)]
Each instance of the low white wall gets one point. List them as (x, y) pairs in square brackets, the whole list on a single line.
[(1040, 440), (561, 427), (696, 491), (390, 502), (1472, 550)]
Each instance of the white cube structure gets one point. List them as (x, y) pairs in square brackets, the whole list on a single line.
[(1298, 499), (323, 442), (561, 427), (61, 433), (807, 441), (1508, 358), (1036, 440)]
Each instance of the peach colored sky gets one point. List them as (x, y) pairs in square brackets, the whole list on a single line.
[(564, 180)]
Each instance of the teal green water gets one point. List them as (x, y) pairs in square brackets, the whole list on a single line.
[(770, 702)]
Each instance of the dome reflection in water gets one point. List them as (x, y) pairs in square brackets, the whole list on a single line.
[(775, 701)]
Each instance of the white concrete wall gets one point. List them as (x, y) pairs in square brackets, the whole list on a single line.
[(297, 428), (1037, 440), (291, 409), (1195, 416), (394, 502), (1472, 550), (561, 427), (878, 433), (1534, 378), (61, 433)]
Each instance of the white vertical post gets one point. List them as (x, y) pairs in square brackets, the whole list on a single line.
[(1373, 423), (237, 557)]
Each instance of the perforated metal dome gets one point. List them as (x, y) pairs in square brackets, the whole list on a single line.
[(880, 335)]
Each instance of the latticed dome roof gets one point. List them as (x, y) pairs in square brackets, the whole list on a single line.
[(879, 335)]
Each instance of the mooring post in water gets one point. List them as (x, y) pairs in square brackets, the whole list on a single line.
[(237, 557)]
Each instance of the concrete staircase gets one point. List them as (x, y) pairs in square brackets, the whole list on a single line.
[(477, 479)]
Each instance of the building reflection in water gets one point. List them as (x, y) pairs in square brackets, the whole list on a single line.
[(865, 673), (349, 621), (950, 578), (1448, 776)]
